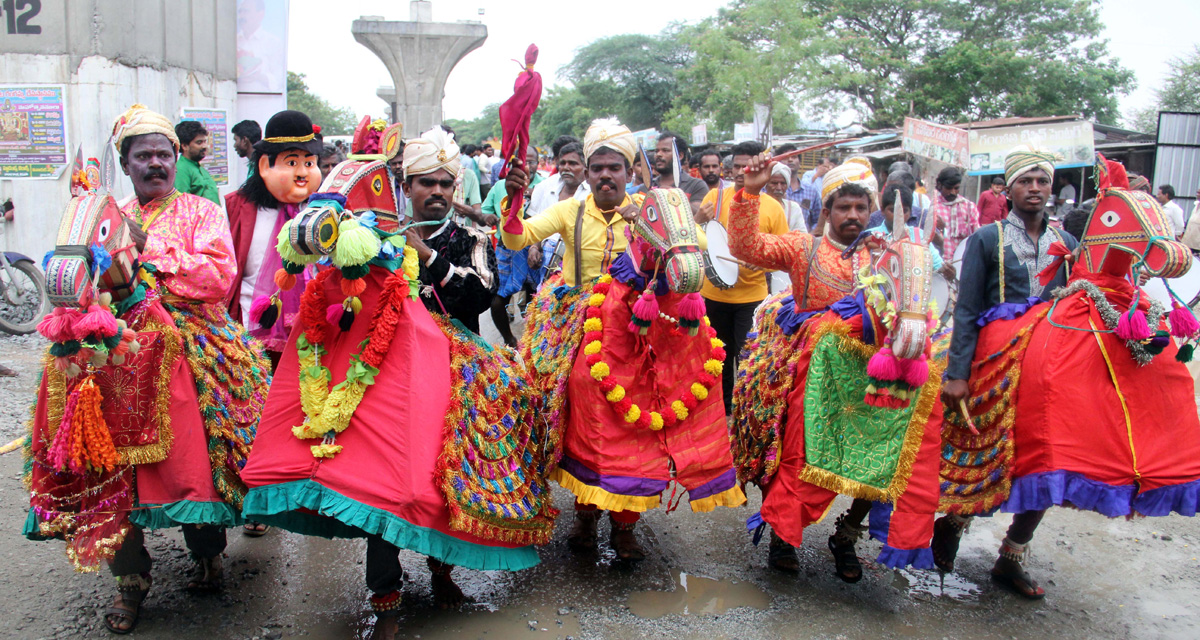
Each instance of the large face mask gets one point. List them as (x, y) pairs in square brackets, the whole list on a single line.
[(293, 178)]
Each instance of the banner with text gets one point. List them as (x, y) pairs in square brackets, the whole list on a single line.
[(945, 144), (33, 131), (217, 123), (1072, 140)]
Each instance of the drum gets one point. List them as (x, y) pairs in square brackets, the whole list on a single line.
[(943, 294), (959, 252), (1186, 286), (719, 264)]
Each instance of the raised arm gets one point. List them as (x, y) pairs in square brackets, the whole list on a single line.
[(747, 241)]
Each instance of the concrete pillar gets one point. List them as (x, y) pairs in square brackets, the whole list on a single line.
[(387, 93), (419, 54)]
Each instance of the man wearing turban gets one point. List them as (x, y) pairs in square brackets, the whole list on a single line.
[(999, 280), (823, 266), (203, 361), (458, 264), (613, 456)]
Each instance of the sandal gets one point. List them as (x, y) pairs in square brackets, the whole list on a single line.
[(131, 591), (208, 578), (624, 541), (845, 560), (1009, 572), (255, 529), (947, 533), (782, 556)]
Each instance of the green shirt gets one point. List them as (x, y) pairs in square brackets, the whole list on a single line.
[(192, 178), (470, 185), (491, 204)]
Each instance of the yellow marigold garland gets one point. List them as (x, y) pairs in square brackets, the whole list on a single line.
[(616, 394)]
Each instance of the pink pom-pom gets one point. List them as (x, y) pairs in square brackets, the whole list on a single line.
[(646, 306), (915, 372), (62, 363), (98, 321), (884, 366), (59, 325), (121, 349), (1133, 326), (333, 314), (691, 307), (1183, 323), (257, 308)]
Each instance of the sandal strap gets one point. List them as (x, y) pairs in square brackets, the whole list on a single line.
[(846, 532), (133, 583), (383, 603)]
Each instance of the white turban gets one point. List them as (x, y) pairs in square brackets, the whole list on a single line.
[(139, 121), (781, 169), (434, 150), (612, 134)]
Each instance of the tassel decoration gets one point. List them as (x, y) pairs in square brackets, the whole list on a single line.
[(356, 246), (1185, 353), (884, 365), (645, 310), (270, 314), (59, 325), (1183, 323), (333, 314), (354, 287), (691, 312), (1133, 326), (284, 280), (98, 321), (915, 372)]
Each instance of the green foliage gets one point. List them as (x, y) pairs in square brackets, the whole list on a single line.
[(481, 128), (563, 111), (333, 121), (630, 76)]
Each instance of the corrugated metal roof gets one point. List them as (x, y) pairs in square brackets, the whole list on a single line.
[(868, 141), (1179, 128), (1010, 122)]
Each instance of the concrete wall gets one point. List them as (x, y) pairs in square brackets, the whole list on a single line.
[(166, 54)]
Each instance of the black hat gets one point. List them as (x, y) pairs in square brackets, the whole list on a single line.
[(289, 130)]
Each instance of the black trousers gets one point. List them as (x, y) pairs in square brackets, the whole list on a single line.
[(204, 541), (732, 321)]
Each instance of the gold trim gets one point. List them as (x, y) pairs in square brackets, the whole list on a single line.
[(1120, 396), (279, 139), (588, 494), (914, 433)]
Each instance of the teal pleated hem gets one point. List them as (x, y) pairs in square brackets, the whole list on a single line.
[(175, 514), (30, 530), (341, 517)]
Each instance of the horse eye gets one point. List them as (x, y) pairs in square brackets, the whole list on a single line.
[(103, 231), (1110, 218)]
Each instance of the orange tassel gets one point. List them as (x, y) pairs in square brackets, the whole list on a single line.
[(92, 443), (352, 288), (284, 280)]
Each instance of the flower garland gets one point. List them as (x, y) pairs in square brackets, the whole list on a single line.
[(615, 393), (328, 411)]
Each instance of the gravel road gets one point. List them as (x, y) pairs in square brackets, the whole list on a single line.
[(703, 579)]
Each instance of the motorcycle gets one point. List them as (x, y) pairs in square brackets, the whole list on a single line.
[(23, 299)]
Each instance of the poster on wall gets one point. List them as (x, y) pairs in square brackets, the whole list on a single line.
[(33, 131), (948, 145), (217, 123), (262, 35), (1072, 140)]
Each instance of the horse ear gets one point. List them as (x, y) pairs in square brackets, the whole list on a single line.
[(108, 167), (899, 219), (389, 142), (927, 228)]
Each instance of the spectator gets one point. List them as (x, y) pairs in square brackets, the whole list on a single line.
[(668, 144), (1166, 195), (809, 192), (1066, 193), (993, 203), (330, 157), (710, 168), (484, 161), (245, 134), (781, 177), (190, 176), (958, 215), (1191, 231)]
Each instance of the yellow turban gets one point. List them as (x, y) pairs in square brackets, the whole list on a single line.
[(434, 150), (612, 134), (1023, 159), (851, 171), (138, 121)]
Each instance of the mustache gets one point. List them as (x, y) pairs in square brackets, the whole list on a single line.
[(607, 182), (431, 200), (154, 173), (849, 223)]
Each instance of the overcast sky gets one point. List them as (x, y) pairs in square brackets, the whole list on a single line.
[(1143, 35)]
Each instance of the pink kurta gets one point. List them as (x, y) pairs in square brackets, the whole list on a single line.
[(190, 245)]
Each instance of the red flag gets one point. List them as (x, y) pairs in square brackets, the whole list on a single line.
[(515, 114)]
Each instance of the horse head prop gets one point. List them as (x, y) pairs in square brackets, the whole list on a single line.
[(353, 220), (898, 289), (664, 239), (93, 264)]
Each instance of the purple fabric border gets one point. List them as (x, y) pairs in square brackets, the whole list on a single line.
[(879, 520), (1007, 311), (894, 558), (1039, 491), (622, 485), (723, 482)]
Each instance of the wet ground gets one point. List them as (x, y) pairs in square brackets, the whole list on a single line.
[(703, 579)]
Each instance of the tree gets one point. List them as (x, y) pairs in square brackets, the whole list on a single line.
[(485, 126), (1180, 91), (563, 111), (631, 76), (333, 121)]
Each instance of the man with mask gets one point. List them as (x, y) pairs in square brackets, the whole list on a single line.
[(458, 264), (190, 176)]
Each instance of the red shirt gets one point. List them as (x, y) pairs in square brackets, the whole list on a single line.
[(992, 207)]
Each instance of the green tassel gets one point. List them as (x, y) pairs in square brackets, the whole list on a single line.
[(1185, 353), (356, 272), (357, 245)]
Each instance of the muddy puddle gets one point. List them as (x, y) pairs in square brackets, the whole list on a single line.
[(925, 584), (694, 595)]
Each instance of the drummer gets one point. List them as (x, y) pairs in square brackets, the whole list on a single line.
[(731, 306), (887, 203)]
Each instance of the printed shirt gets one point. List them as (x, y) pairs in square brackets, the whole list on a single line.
[(961, 217), (830, 277), (751, 285), (601, 242), (189, 244)]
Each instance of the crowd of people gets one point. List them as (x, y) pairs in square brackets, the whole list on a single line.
[(311, 359)]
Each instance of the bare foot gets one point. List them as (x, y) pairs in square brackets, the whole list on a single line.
[(446, 594), (387, 626)]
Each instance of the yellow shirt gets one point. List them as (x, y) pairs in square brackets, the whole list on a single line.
[(602, 241), (751, 285)]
